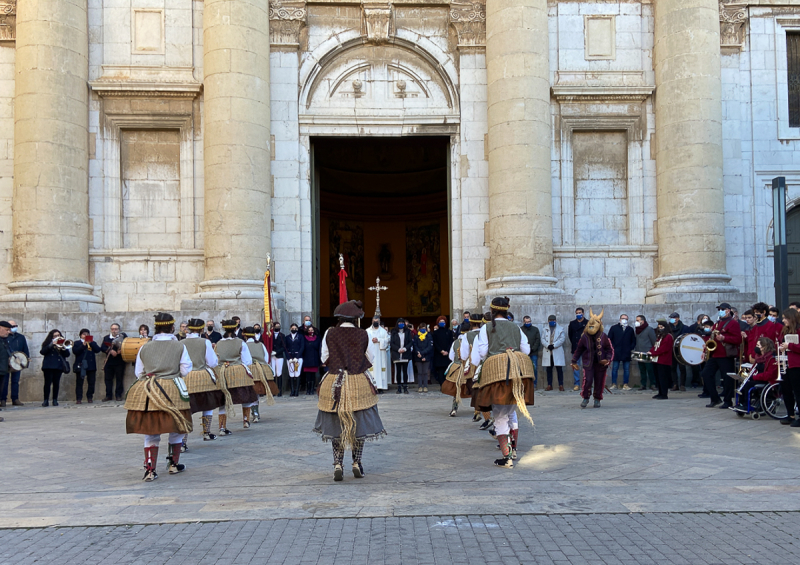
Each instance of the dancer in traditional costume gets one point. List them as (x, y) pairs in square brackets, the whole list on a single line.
[(481, 411), (458, 377), (263, 377), (596, 352), (158, 402), (204, 392), (505, 377), (233, 376), (348, 411)]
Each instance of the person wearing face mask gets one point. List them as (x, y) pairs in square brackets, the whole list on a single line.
[(535, 339), (114, 366), (553, 338), (455, 327), (442, 342), (423, 351), (210, 334), (623, 340), (257, 333), (662, 358), (766, 373), (54, 364), (728, 336), (400, 344), (307, 323), (678, 373), (596, 351), (16, 342), (295, 345), (378, 346), (790, 385), (312, 355), (238, 322), (5, 352), (645, 339), (575, 331), (697, 328), (278, 355)]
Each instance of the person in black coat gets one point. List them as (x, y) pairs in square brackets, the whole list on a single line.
[(623, 340), (54, 365), (423, 354), (295, 345), (85, 366), (401, 348), (277, 355), (679, 372), (574, 333), (311, 358), (114, 367), (442, 342), (210, 334)]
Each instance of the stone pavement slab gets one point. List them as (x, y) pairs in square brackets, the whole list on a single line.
[(75, 466)]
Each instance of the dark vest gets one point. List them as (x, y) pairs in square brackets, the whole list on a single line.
[(347, 350), (506, 335)]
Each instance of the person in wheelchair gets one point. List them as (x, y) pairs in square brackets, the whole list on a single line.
[(766, 373)]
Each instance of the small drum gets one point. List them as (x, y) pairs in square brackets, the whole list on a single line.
[(641, 357), (18, 361), (130, 348), (689, 349)]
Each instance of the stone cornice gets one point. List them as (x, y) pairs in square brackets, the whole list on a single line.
[(602, 93), (8, 20), (469, 20), (146, 82)]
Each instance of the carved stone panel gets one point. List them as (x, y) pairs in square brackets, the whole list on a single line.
[(469, 20), (8, 20), (732, 20), (286, 19), (377, 21)]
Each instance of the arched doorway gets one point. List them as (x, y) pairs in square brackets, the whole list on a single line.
[(793, 247)]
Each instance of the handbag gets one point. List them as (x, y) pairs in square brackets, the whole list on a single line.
[(64, 365)]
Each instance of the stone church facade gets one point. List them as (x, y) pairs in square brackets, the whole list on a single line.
[(603, 153)]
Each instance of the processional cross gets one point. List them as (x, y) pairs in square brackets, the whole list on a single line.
[(378, 288)]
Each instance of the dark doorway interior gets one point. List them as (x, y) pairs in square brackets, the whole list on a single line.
[(793, 248), (383, 204)]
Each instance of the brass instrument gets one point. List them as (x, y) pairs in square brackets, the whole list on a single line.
[(745, 373), (61, 344), (783, 365)]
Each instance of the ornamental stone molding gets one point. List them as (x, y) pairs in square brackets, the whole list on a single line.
[(287, 18), (8, 20), (732, 20), (376, 17), (469, 20)]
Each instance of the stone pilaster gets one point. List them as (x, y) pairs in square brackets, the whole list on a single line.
[(236, 142), (688, 108), (520, 230), (51, 159)]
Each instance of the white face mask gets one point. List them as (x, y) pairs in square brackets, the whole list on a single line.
[(637, 324), (623, 322), (14, 330)]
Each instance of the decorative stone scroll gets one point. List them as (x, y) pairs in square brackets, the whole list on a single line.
[(732, 20), (377, 20), (287, 18), (469, 20), (8, 20)]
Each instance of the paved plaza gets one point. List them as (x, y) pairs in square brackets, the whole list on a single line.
[(636, 481)]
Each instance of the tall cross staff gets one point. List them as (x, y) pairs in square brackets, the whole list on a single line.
[(378, 288)]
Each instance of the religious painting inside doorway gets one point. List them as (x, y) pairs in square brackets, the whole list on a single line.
[(423, 269), (346, 238)]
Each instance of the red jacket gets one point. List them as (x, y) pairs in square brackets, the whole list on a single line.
[(770, 372), (774, 331), (662, 350), (729, 332), (793, 355)]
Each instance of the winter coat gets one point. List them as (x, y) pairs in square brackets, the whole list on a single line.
[(312, 352), (587, 345), (17, 342), (83, 352), (623, 339), (662, 354), (645, 339), (559, 338), (442, 340), (576, 328), (295, 347), (394, 344), (534, 338), (279, 345), (423, 347), (53, 358)]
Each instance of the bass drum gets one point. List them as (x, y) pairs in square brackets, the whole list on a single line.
[(689, 349), (130, 348)]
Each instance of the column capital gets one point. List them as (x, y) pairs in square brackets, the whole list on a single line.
[(469, 20), (286, 19)]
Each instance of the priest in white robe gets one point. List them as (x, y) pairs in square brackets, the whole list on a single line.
[(378, 347)]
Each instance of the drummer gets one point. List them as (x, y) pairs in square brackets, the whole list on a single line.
[(662, 358)]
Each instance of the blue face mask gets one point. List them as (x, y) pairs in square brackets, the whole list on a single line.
[(442, 324), (772, 318), (707, 330), (423, 330), (721, 313), (307, 323), (401, 326), (528, 324), (579, 316), (672, 320), (551, 324)]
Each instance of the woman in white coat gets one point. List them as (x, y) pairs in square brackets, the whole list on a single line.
[(553, 339)]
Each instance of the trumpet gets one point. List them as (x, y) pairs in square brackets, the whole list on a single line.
[(783, 365), (745, 373), (63, 344)]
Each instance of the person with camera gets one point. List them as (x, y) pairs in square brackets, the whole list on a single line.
[(55, 350), (85, 366), (114, 367)]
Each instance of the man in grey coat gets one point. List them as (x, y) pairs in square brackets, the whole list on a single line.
[(534, 338), (645, 339), (553, 339)]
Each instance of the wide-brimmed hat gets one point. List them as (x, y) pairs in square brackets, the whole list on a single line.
[(350, 309)]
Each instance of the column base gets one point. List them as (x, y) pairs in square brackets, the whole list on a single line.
[(235, 295), (526, 290), (51, 297), (696, 288)]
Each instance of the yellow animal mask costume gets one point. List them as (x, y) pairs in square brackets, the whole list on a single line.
[(595, 323)]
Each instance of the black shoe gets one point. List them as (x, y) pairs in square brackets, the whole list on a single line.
[(399, 389), (119, 399), (713, 403), (725, 405), (703, 395), (786, 420), (795, 424), (46, 403), (486, 424), (55, 402), (405, 390), (661, 397)]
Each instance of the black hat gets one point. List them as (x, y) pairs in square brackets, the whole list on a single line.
[(249, 331), (674, 315), (551, 317), (476, 318), (350, 309), (724, 306), (5, 324), (662, 322)]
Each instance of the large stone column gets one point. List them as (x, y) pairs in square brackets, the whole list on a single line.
[(51, 160), (688, 107), (520, 235), (236, 142)]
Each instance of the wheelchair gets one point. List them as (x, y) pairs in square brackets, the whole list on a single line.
[(751, 403)]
